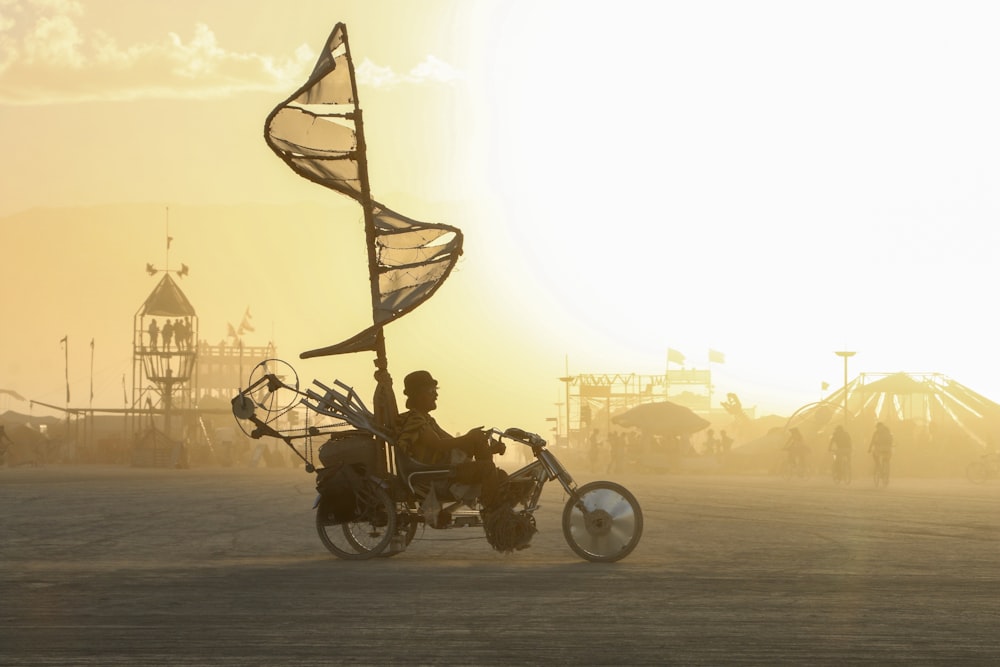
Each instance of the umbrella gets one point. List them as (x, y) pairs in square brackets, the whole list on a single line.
[(662, 418)]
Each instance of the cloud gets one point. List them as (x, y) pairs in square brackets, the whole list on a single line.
[(431, 70), (46, 57)]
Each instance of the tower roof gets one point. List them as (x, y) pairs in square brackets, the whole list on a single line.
[(167, 300)]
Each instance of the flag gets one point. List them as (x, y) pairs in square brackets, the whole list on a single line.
[(825, 386), (247, 315), (232, 330), (673, 356), (245, 325), (716, 357), (169, 239)]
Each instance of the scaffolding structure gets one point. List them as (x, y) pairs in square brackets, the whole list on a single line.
[(591, 399)]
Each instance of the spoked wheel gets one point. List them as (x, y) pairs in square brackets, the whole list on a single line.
[(977, 472), (368, 534), (604, 524)]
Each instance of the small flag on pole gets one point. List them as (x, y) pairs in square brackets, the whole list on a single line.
[(716, 357), (674, 357)]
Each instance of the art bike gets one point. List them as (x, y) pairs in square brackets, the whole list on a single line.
[(372, 497)]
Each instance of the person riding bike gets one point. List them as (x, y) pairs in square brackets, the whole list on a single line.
[(797, 450), (881, 445), (840, 445), (469, 456)]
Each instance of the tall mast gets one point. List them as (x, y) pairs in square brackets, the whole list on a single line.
[(381, 361)]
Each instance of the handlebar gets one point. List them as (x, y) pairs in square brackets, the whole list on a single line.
[(520, 435)]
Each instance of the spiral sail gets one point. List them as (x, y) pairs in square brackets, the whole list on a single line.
[(319, 133)]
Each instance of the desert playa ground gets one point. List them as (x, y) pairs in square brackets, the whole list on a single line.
[(117, 565)]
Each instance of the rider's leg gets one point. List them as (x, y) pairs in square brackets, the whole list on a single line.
[(484, 473)]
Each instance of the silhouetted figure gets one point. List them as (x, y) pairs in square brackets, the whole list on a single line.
[(594, 451), (179, 335), (154, 332), (797, 450), (711, 443), (840, 445), (725, 443), (881, 445), (617, 444), (469, 456), (167, 333)]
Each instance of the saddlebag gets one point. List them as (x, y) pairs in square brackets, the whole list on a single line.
[(347, 457), (337, 488), (353, 448)]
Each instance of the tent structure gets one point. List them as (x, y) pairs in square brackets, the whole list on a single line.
[(934, 403), (939, 424)]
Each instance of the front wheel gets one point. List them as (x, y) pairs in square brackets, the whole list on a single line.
[(603, 522)]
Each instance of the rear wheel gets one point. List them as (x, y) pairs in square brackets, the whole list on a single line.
[(368, 533), (604, 522)]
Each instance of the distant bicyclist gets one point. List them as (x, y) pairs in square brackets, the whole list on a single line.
[(840, 445), (881, 445), (797, 450)]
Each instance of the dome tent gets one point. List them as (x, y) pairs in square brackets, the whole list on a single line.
[(938, 424)]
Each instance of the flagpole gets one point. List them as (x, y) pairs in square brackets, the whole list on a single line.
[(91, 373), (65, 342), (384, 399), (666, 376), (710, 384)]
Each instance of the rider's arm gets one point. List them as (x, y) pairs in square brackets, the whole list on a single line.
[(420, 434)]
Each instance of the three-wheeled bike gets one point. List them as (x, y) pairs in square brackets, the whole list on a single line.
[(372, 498)]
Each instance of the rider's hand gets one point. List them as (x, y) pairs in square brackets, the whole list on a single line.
[(478, 436)]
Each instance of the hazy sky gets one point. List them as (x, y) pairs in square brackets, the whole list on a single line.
[(772, 180)]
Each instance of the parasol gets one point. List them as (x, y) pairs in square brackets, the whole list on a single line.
[(662, 418)]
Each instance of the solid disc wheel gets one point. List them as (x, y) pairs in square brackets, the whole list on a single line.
[(368, 534), (604, 524), (977, 472)]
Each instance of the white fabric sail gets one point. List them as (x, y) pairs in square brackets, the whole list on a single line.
[(319, 133)]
